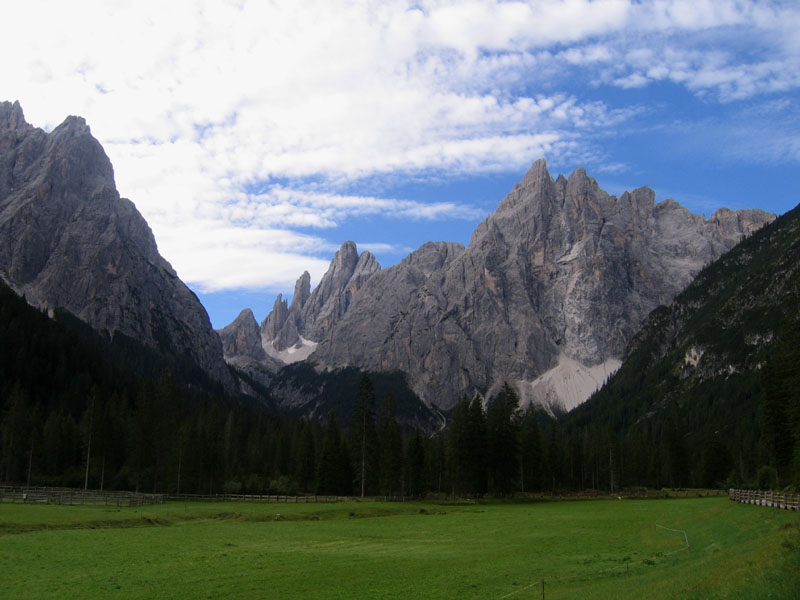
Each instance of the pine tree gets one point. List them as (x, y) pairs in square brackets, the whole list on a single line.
[(458, 450), (415, 465), (306, 458), (531, 452), (333, 473), (363, 437), (390, 446), (675, 460), (780, 408), (476, 446), (15, 433), (503, 440), (715, 462)]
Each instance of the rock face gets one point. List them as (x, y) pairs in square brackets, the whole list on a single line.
[(331, 298), (719, 351), (553, 286), (242, 337), (560, 274), (291, 333), (375, 313), (68, 240)]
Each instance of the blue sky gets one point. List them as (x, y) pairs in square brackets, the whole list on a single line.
[(256, 137)]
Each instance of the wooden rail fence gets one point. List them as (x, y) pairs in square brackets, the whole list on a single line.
[(766, 498), (253, 498), (37, 495)]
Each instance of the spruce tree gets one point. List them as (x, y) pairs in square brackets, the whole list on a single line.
[(476, 447), (363, 437), (390, 447), (503, 440)]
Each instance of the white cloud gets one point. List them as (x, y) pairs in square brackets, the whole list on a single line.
[(383, 248), (215, 257), (198, 103)]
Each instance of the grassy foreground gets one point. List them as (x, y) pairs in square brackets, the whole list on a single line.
[(582, 549)]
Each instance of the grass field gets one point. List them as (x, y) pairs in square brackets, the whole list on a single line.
[(582, 549)]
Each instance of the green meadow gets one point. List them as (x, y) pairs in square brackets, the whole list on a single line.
[(491, 550)]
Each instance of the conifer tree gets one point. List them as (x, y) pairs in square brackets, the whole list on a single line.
[(503, 440), (390, 447), (363, 437), (476, 447), (415, 465), (306, 458), (333, 473), (531, 452), (458, 451)]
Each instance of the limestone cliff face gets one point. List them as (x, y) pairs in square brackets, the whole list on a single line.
[(68, 240), (242, 337), (331, 299), (561, 273), (291, 333), (379, 309)]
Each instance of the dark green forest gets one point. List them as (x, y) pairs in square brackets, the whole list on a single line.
[(80, 409)]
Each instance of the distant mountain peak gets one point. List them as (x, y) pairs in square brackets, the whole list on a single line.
[(68, 240), (12, 117), (550, 290)]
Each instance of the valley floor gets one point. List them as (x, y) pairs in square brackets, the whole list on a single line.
[(491, 550)]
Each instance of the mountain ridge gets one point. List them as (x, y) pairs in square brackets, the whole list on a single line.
[(68, 240), (551, 288)]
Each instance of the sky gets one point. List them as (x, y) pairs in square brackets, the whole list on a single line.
[(257, 136)]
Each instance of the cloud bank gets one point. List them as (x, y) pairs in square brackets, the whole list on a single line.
[(240, 129)]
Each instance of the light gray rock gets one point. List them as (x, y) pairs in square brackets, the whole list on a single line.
[(279, 331), (560, 271), (242, 337), (68, 240), (382, 304), (330, 300), (291, 332)]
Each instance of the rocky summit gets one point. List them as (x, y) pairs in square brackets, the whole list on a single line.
[(67, 240), (551, 288), (291, 332)]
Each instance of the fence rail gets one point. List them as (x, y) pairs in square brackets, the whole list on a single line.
[(253, 498), (766, 498), (297, 499), (39, 495)]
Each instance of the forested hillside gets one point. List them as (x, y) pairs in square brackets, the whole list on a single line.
[(708, 395), (710, 388)]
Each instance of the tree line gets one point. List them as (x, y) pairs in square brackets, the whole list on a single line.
[(70, 417)]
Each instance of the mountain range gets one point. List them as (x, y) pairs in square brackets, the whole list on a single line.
[(552, 287), (68, 240), (719, 365), (550, 290)]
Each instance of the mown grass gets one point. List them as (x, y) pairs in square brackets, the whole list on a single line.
[(582, 549)]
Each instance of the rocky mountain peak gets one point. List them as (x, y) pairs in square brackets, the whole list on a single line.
[(431, 256), (537, 175), (241, 337), (580, 185), (302, 291), (331, 298), (367, 265), (12, 117), (68, 240), (551, 288), (272, 325), (291, 332)]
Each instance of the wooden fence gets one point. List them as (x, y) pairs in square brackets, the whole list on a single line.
[(252, 498), (766, 498), (299, 499), (37, 495)]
